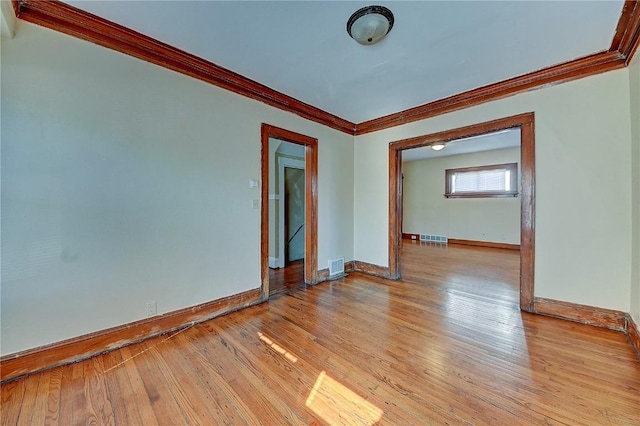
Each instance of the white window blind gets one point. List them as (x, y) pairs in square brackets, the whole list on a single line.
[(497, 180), (481, 181)]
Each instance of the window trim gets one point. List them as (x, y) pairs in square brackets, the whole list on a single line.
[(512, 167)]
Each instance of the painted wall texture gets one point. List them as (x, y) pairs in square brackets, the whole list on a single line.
[(427, 211), (123, 182), (583, 186)]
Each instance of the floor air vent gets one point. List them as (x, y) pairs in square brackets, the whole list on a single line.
[(433, 238), (336, 266)]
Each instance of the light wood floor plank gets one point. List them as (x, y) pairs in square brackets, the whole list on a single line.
[(12, 401), (40, 406), (247, 385), (131, 405), (29, 400), (161, 385), (53, 397)]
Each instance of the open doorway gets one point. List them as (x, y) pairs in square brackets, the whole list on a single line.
[(293, 215), (289, 210), (525, 124), (286, 215)]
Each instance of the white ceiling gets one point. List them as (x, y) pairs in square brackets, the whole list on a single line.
[(508, 138), (436, 48)]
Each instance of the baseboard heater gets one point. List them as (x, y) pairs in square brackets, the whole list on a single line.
[(434, 238)]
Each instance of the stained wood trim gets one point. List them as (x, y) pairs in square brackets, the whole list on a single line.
[(67, 19), (623, 25), (633, 331), (627, 35), (462, 132), (82, 347), (527, 212), (527, 195), (568, 71), (371, 269), (311, 202), (414, 237), (484, 244), (395, 213), (591, 315)]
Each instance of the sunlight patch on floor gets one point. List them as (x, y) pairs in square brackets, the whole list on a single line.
[(277, 348), (338, 405)]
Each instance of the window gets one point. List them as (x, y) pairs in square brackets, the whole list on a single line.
[(498, 180)]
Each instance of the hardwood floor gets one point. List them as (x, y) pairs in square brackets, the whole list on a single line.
[(285, 279), (445, 345)]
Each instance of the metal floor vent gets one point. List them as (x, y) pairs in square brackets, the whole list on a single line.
[(336, 266), (434, 238)]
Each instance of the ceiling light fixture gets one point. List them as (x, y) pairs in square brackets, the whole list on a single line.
[(437, 146), (370, 24)]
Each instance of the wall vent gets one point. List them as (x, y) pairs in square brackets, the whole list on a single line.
[(336, 266), (434, 238)]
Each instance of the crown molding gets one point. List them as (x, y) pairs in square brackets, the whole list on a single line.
[(70, 20), (623, 46), (59, 16), (623, 25), (630, 38), (572, 70)]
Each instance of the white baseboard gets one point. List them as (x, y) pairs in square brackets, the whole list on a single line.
[(274, 262)]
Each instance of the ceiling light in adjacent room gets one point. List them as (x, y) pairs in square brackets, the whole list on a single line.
[(370, 24)]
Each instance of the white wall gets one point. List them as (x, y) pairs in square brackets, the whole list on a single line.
[(7, 19), (123, 182), (583, 186), (634, 82), (427, 211)]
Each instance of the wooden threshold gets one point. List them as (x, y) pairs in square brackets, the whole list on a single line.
[(82, 347), (484, 244)]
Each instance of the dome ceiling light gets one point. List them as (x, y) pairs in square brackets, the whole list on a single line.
[(370, 24)]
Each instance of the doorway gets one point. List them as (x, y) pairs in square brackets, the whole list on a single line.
[(286, 216), (293, 215), (289, 208), (523, 122)]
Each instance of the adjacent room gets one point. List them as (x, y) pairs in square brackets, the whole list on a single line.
[(460, 200), (319, 212)]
